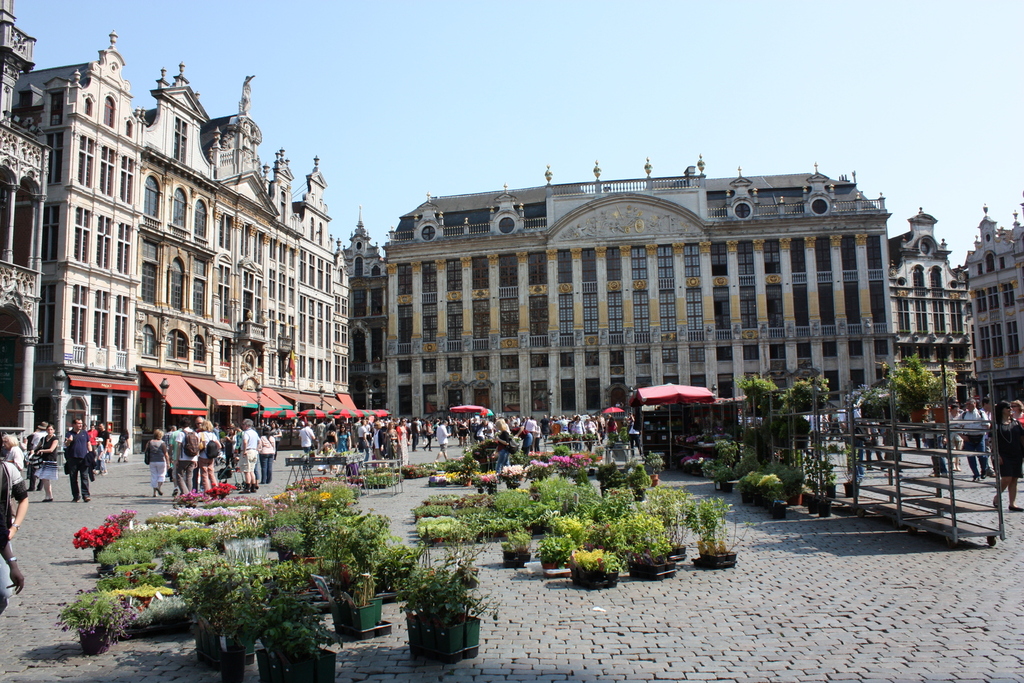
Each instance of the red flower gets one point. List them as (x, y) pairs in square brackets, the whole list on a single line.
[(96, 538)]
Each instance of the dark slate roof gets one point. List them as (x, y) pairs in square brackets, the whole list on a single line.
[(41, 76)]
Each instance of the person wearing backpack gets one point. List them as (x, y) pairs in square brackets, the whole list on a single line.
[(266, 451), (158, 458), (187, 448), (208, 455), (13, 497)]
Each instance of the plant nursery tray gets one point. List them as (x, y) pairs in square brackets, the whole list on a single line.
[(715, 561), (653, 572), (445, 657), (610, 580), (562, 573), (383, 628)]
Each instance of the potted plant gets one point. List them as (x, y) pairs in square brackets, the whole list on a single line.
[(641, 538), (292, 635), (100, 619), (516, 549), (707, 521), (638, 480), (671, 505), (555, 551), (654, 463), (224, 597), (443, 608), (748, 486), (596, 568), (288, 541), (357, 611), (916, 387), (610, 477)]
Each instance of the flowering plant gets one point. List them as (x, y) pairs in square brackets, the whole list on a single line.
[(189, 499), (91, 611), (96, 538), (221, 490), (122, 519), (512, 475)]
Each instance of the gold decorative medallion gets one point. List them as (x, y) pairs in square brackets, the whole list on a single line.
[(693, 282), (748, 334), (590, 341), (640, 284), (455, 296), (455, 377), (539, 289), (773, 279), (668, 336), (614, 286), (509, 343), (430, 348), (565, 288), (481, 375), (720, 281), (404, 299), (481, 293)]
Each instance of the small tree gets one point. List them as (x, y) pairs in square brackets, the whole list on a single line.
[(916, 387)]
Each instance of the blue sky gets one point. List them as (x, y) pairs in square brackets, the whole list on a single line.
[(921, 99)]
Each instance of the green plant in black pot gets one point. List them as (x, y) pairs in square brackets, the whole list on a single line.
[(638, 480), (555, 551), (290, 628)]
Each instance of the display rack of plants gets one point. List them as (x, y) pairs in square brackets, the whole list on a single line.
[(447, 645), (652, 572), (275, 669), (715, 561)]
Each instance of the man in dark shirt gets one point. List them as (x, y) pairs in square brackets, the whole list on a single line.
[(80, 460)]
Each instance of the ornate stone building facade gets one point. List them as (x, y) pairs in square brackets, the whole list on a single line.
[(931, 311), (177, 266), (364, 261), (995, 268), (23, 161), (561, 298)]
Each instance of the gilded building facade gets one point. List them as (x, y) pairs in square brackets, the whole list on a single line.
[(931, 310), (562, 298)]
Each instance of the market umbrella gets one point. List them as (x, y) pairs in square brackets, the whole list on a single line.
[(346, 412), (670, 394), (613, 409), (468, 409), (277, 414), (380, 412), (313, 414)]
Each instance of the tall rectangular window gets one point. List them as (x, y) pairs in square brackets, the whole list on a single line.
[(454, 319), (428, 277), (564, 266), (921, 315), (429, 313), (79, 311), (589, 311), (55, 162), (180, 140), (510, 397), (939, 316), (404, 278), (538, 314), (875, 260), (537, 268), (641, 312), (1012, 337), (56, 108), (720, 297), (667, 310), (588, 265), (481, 318), (454, 269), (798, 255), (986, 342), (956, 317), (107, 161), (773, 297), (224, 291), (101, 312), (826, 304), (848, 252), (694, 309), (719, 259), (86, 156), (772, 260), (224, 232), (745, 257), (997, 339), (565, 312), (879, 302), (81, 247), (638, 262), (691, 260), (567, 394), (508, 317), (47, 313), (51, 233), (508, 270), (748, 308), (613, 264), (593, 393), (150, 258), (199, 269), (481, 273), (903, 315), (104, 227), (127, 180), (615, 321), (404, 323), (666, 267), (851, 297), (822, 255), (801, 309)]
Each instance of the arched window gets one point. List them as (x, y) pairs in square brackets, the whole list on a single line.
[(88, 106), (109, 110), (151, 207), (375, 271), (198, 349), (177, 345), (176, 285), (990, 262), (178, 208), (128, 129), (918, 276), (200, 220), (76, 410), (936, 278), (148, 341), (359, 266)]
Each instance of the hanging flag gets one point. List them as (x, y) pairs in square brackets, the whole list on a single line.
[(291, 364)]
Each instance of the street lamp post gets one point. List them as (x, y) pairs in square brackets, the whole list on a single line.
[(259, 402), (321, 397), (164, 386), (59, 378)]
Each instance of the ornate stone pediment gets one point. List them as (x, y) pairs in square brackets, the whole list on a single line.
[(629, 217)]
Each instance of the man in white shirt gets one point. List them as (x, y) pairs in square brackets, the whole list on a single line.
[(975, 441), (531, 435), (442, 441), (250, 456), (306, 438), (363, 436)]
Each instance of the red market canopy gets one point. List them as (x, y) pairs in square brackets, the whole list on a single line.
[(347, 412), (276, 414), (468, 409), (667, 394), (613, 409), (313, 414)]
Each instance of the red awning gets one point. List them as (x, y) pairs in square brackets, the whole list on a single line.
[(271, 397), (221, 392), (666, 394), (87, 382), (303, 397), (347, 402), (331, 403), (180, 397)]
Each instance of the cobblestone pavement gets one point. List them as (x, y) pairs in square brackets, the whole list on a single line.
[(835, 599)]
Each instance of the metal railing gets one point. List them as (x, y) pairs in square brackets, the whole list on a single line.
[(825, 276), (803, 330), (641, 337), (44, 353), (695, 335), (538, 341), (799, 278), (849, 276), (481, 344)]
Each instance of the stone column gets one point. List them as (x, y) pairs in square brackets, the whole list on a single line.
[(28, 366), (602, 287), (35, 258), (863, 283), (492, 286), (835, 243), (8, 253)]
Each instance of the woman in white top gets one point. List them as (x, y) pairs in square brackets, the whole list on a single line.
[(13, 453)]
